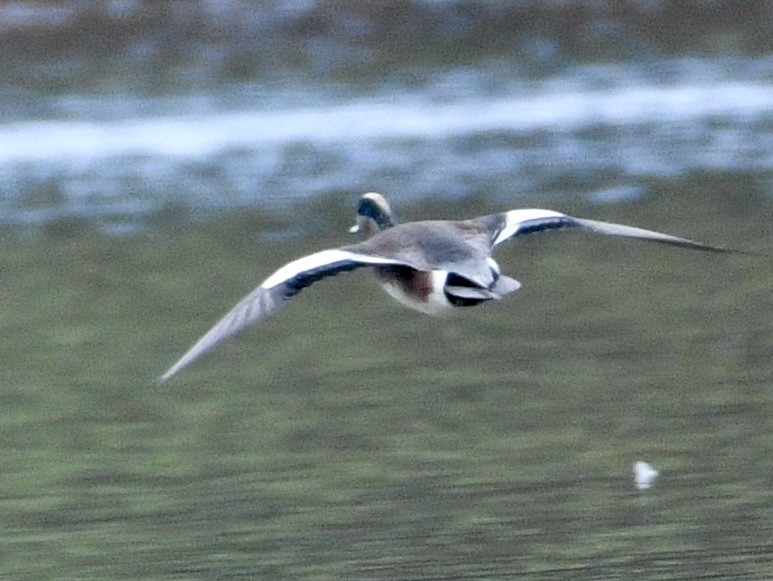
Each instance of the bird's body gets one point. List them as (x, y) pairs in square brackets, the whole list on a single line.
[(430, 266), (416, 289)]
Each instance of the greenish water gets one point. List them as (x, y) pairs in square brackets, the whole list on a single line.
[(347, 438)]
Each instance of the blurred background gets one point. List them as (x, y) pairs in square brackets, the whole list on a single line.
[(159, 159)]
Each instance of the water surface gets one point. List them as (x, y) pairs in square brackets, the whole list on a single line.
[(148, 182)]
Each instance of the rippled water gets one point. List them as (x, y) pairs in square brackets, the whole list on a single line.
[(349, 438), (345, 437), (600, 130)]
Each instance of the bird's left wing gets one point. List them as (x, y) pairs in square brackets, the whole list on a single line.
[(275, 291)]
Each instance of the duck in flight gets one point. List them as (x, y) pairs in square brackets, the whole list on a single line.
[(430, 266)]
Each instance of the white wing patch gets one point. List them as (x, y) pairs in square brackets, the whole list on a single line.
[(317, 260), (514, 219), (267, 298), (524, 221)]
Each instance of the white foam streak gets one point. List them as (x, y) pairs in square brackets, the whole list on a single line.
[(197, 136)]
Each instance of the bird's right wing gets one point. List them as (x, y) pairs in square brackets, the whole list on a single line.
[(519, 222)]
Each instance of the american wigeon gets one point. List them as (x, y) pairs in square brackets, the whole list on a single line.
[(430, 266)]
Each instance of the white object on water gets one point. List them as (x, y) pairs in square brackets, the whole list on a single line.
[(644, 475)]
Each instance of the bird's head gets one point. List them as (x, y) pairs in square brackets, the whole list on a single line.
[(373, 215)]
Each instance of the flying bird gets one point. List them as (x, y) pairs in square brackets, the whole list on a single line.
[(430, 266)]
